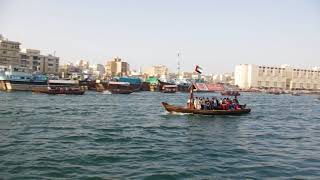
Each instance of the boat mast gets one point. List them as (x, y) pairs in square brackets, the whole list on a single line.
[(191, 98)]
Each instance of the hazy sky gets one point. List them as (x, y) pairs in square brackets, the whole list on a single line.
[(214, 34)]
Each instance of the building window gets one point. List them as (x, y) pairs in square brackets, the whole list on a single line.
[(267, 83), (259, 83), (275, 84)]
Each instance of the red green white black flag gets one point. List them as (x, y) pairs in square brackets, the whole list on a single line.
[(198, 69)]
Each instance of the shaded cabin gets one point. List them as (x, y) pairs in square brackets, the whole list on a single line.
[(119, 87), (169, 88), (151, 84), (135, 82)]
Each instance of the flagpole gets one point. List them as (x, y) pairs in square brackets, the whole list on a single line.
[(191, 102)]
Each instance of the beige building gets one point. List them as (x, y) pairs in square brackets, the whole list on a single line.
[(157, 71), (51, 64), (83, 64), (284, 77), (9, 52), (117, 67), (32, 59)]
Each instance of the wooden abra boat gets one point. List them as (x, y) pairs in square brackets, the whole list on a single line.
[(169, 88), (120, 91), (186, 110), (60, 90), (120, 87)]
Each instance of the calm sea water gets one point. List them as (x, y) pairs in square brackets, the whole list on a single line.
[(132, 137)]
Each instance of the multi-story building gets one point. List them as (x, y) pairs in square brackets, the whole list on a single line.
[(66, 70), (32, 59), (83, 64), (226, 78), (117, 67), (9, 52), (284, 77), (51, 64), (157, 71), (97, 71)]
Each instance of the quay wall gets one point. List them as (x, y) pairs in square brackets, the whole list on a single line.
[(3, 86)]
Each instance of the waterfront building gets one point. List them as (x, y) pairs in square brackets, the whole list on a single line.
[(101, 69), (117, 67), (51, 64), (157, 71), (69, 70), (32, 59), (226, 78), (9, 52), (284, 77), (97, 71), (187, 75), (83, 64)]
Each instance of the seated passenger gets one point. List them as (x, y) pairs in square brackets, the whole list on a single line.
[(236, 100), (208, 105)]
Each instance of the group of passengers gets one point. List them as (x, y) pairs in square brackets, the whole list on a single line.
[(214, 103)]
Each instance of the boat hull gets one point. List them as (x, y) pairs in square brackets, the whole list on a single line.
[(180, 109), (120, 91), (57, 92), (23, 85)]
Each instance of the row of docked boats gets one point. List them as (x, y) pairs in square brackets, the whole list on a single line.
[(19, 78)]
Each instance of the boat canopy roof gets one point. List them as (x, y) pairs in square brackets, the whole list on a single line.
[(152, 80), (63, 82), (170, 86), (131, 80), (119, 83), (208, 87)]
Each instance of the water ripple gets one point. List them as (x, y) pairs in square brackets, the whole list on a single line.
[(131, 137)]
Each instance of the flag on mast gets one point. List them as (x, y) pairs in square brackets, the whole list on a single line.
[(198, 69)]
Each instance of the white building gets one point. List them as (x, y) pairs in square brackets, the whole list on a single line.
[(97, 70), (284, 77), (222, 78)]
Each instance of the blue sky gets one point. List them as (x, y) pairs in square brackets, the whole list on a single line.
[(217, 35)]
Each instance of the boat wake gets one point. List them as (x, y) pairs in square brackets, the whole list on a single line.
[(106, 92), (177, 113)]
